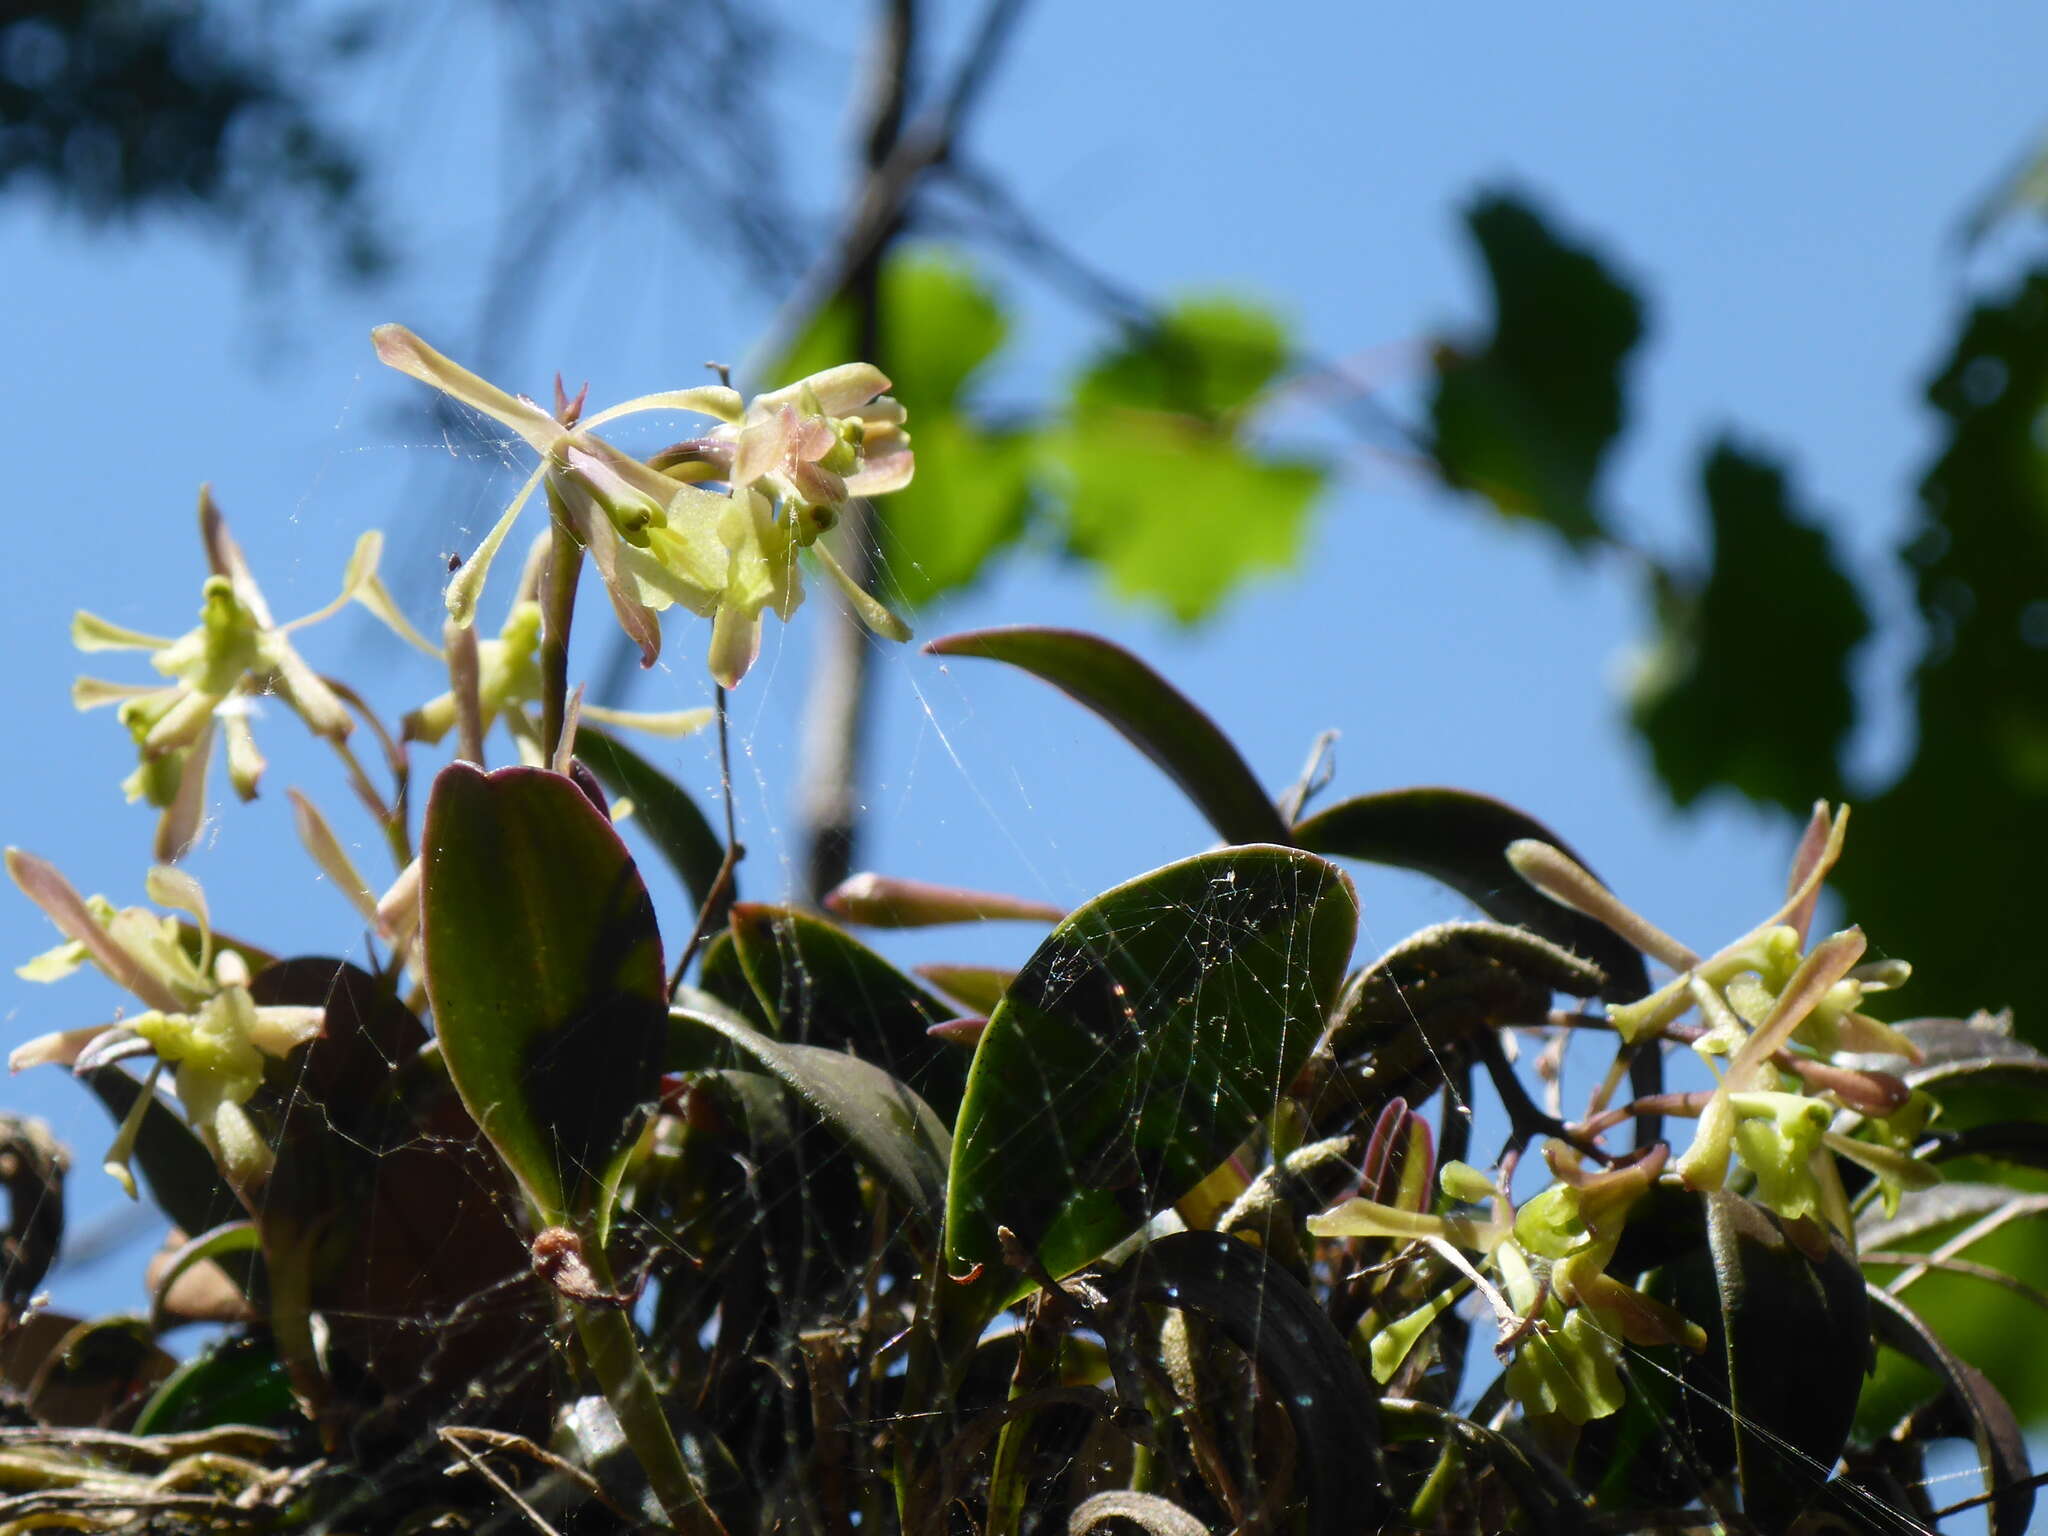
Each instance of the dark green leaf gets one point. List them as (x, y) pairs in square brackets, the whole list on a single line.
[(661, 806), (825, 988), (184, 1181), (892, 1130), (1461, 839), (1525, 418), (1962, 830), (1147, 1037), (236, 1380), (544, 966), (1544, 1490), (1725, 700), (2001, 1449), (1786, 1364), (1302, 1359), (1152, 715)]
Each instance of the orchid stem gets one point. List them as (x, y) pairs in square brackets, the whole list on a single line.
[(558, 610)]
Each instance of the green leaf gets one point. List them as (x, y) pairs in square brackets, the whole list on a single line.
[(892, 1130), (1147, 1037), (1152, 714), (183, 1180), (1206, 358), (236, 1380), (1178, 512), (1461, 839), (544, 967), (1302, 1360), (824, 987), (1526, 417), (677, 828), (1789, 1344), (1724, 699), (2001, 1449), (1164, 489)]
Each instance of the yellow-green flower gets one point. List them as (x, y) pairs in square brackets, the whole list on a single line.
[(790, 460), (199, 1017), (217, 673)]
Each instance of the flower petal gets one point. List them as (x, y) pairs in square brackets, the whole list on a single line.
[(90, 632), (715, 400), (840, 391), (467, 583), (399, 348), (318, 839), (882, 474), (675, 722), (867, 608), (178, 828), (42, 884)]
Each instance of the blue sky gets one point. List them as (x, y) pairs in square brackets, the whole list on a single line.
[(1783, 183)]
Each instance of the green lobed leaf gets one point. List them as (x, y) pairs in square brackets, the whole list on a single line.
[(544, 967), (1150, 1033), (1725, 700), (1302, 1360), (823, 987), (670, 817), (892, 1130), (1526, 417), (1461, 839), (1150, 712), (1177, 512)]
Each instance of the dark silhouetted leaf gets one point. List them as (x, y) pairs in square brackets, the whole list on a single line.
[(1544, 1490), (1963, 828), (1761, 707), (1303, 1361), (1787, 1354), (890, 1128), (1152, 715), (1526, 418), (2001, 1449), (825, 988), (1461, 839), (544, 966), (665, 810), (1147, 1037)]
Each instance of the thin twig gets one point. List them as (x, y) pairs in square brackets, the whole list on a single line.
[(476, 1465), (734, 849)]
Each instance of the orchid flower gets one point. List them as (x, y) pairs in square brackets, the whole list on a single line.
[(218, 671), (1765, 999), (791, 459), (200, 1019)]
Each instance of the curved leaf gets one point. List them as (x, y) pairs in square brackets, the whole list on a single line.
[(672, 820), (184, 1181), (1152, 715), (2001, 1448), (824, 987), (1151, 1033), (237, 1380), (1302, 1360), (1461, 839), (889, 1127), (544, 967), (1792, 1349), (1545, 1491)]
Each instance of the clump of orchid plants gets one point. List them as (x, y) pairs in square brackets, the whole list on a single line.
[(553, 1205)]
